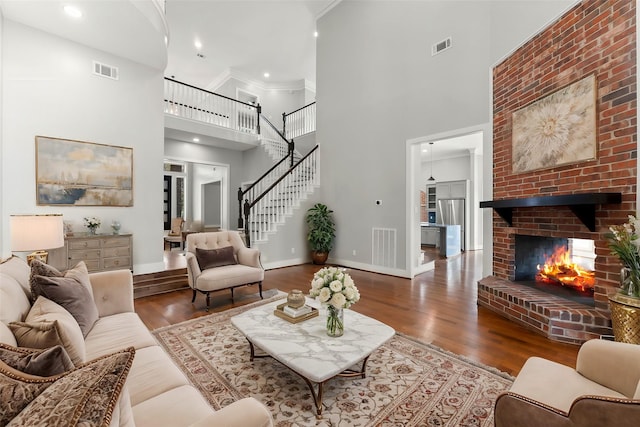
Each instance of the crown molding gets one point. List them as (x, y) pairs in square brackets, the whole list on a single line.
[(243, 77), (330, 6)]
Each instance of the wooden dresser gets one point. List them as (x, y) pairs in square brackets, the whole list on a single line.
[(100, 252)]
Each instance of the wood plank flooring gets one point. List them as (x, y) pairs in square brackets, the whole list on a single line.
[(437, 307)]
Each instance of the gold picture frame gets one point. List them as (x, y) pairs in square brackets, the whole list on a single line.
[(556, 130), (79, 173)]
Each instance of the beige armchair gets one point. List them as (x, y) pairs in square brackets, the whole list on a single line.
[(603, 390), (220, 260)]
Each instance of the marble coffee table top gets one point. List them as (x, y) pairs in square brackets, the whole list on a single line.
[(305, 347)]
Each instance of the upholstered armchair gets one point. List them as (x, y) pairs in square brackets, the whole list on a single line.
[(603, 390), (220, 260)]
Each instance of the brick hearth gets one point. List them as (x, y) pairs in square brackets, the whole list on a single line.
[(556, 317), (595, 37)]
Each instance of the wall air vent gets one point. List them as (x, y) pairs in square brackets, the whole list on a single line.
[(105, 70), (441, 46)]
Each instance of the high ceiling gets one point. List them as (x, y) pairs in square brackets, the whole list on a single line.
[(244, 37)]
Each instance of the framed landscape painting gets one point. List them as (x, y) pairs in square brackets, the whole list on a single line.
[(556, 130), (77, 173)]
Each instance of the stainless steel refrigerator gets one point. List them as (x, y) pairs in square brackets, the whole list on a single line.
[(451, 212)]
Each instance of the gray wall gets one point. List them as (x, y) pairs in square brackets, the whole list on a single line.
[(378, 86)]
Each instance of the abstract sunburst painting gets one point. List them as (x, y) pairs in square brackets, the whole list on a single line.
[(556, 130)]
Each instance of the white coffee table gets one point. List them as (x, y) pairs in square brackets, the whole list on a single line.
[(305, 347)]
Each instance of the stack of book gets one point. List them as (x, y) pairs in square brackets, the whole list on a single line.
[(295, 315)]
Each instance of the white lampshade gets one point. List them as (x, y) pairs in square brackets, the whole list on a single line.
[(36, 232)]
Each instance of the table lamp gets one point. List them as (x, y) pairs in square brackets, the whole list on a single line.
[(36, 233)]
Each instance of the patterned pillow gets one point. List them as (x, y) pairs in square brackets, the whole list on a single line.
[(85, 396), (44, 363), (49, 324)]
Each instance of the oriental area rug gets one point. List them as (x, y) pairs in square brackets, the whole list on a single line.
[(408, 383)]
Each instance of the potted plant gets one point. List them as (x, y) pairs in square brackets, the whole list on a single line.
[(625, 304), (322, 231)]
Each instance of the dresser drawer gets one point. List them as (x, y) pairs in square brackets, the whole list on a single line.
[(84, 254), (116, 252), (84, 244), (92, 264), (115, 263), (113, 242)]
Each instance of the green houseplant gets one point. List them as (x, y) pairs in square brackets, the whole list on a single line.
[(322, 232), (624, 242)]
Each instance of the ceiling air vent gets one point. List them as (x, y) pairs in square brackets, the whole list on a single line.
[(105, 70), (441, 46)]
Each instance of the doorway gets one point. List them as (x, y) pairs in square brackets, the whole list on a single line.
[(445, 157), (212, 205)]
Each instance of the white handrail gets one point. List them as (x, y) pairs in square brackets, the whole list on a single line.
[(300, 122)]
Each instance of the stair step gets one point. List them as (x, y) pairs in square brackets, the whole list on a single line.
[(160, 282)]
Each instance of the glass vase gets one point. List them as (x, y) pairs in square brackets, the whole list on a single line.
[(93, 230), (335, 321), (630, 282)]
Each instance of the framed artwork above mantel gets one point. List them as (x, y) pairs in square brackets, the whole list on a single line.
[(79, 173), (556, 130)]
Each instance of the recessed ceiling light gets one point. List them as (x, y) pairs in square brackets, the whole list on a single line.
[(197, 44), (72, 11), (196, 139), (315, 34), (266, 75)]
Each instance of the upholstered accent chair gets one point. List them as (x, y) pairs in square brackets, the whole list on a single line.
[(175, 234), (603, 390), (220, 260)]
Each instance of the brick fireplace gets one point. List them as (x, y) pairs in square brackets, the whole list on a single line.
[(596, 37)]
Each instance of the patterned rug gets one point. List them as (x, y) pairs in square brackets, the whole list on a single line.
[(408, 383)]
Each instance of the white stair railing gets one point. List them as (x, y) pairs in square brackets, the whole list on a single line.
[(300, 122), (190, 102)]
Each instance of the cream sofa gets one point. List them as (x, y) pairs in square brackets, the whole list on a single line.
[(245, 268), (603, 390), (159, 393)]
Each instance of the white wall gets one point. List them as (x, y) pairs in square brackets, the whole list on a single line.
[(49, 90), (378, 86)]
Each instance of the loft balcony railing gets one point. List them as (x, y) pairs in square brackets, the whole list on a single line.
[(190, 102), (299, 122)]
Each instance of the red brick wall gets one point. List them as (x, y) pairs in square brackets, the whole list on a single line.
[(595, 37)]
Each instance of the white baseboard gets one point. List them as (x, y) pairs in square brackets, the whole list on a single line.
[(284, 263), (369, 267)]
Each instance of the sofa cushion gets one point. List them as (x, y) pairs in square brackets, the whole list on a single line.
[(228, 276), (538, 378), (14, 303), (85, 396), (71, 294), (182, 405), (49, 324), (19, 270), (152, 374), (116, 332), (41, 362), (6, 336), (211, 258)]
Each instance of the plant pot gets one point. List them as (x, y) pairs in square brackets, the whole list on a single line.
[(319, 258), (625, 318)]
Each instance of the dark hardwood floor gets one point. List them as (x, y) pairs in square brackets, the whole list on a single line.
[(437, 307)]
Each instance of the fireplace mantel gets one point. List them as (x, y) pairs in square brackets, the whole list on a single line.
[(583, 205)]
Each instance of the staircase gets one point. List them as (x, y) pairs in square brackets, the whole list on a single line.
[(273, 198)]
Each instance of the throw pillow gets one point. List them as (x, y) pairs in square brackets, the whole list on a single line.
[(209, 258), (49, 324), (39, 268), (18, 390), (85, 396), (70, 294), (44, 363)]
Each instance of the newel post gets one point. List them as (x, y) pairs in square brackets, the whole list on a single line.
[(240, 223), (247, 208), (258, 112)]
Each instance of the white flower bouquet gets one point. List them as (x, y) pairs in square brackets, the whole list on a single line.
[(331, 285), (92, 223)]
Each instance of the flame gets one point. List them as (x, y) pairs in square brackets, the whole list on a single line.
[(559, 269)]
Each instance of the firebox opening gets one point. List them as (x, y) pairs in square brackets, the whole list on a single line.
[(559, 266)]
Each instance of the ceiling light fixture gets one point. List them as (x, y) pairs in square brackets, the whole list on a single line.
[(315, 34), (266, 75), (196, 139), (72, 11), (198, 44), (431, 178)]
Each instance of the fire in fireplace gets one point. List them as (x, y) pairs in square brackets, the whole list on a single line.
[(560, 269), (560, 266)]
